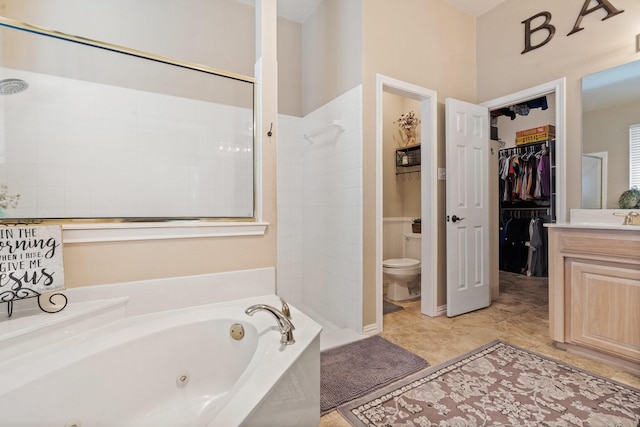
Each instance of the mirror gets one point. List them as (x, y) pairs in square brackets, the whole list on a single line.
[(90, 130), (610, 104)]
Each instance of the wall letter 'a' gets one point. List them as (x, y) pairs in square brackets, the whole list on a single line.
[(528, 31), (611, 11)]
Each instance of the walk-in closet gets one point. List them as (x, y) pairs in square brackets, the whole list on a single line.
[(526, 184)]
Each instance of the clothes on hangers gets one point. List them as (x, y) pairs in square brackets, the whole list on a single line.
[(523, 246), (524, 175)]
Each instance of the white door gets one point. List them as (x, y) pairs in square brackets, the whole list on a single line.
[(467, 146)]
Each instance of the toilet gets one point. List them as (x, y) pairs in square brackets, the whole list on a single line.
[(401, 272)]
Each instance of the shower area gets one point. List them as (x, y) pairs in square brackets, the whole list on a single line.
[(319, 266)]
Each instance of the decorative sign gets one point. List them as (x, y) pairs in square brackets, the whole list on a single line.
[(551, 29), (30, 261)]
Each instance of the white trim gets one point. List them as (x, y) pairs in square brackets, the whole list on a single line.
[(559, 88), (429, 196), (442, 310), (604, 159), (257, 165), (115, 232), (370, 330)]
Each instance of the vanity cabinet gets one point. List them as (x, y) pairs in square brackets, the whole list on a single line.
[(594, 291)]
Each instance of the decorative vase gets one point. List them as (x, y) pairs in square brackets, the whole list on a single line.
[(410, 136)]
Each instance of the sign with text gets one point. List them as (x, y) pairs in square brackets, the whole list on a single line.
[(30, 261)]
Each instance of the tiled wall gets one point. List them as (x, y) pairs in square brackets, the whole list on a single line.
[(320, 211), (80, 149)]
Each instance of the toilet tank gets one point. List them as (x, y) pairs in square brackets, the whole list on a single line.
[(413, 245)]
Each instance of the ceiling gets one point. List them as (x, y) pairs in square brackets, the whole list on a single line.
[(299, 10)]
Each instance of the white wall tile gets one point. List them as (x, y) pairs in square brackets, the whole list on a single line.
[(86, 130)]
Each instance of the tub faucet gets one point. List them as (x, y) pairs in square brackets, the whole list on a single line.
[(285, 325)]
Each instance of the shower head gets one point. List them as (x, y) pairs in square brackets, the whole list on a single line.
[(11, 86)]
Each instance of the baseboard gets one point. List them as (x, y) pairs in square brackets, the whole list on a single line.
[(441, 310), (370, 330)]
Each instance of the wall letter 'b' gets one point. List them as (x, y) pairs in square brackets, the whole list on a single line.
[(528, 31)]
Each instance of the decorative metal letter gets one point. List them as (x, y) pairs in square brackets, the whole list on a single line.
[(545, 26), (611, 11)]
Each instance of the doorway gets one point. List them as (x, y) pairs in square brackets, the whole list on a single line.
[(429, 178), (428, 190), (555, 90)]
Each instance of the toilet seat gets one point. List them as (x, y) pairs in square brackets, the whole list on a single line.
[(400, 263)]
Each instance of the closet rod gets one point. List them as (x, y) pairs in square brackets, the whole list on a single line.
[(525, 146)]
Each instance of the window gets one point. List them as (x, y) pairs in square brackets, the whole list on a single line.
[(634, 156)]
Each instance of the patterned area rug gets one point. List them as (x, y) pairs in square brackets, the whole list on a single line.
[(499, 385), (355, 369)]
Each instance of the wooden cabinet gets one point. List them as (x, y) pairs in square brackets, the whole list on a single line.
[(594, 290)]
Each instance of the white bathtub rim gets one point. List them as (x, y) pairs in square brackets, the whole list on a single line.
[(233, 411), (264, 369), (153, 322)]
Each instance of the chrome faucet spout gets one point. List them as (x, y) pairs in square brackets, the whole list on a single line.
[(284, 323)]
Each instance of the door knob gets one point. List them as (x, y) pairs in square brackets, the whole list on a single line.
[(456, 218)]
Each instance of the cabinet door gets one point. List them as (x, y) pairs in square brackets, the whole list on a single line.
[(605, 307)]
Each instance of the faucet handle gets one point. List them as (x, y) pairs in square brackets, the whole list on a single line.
[(285, 309), (629, 218)]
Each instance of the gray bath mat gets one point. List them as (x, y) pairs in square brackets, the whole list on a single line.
[(355, 369), (389, 307)]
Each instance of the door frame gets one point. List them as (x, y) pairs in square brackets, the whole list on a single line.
[(558, 87), (428, 188), (604, 160)]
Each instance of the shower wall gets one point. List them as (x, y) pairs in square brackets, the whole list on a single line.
[(75, 148), (320, 211)]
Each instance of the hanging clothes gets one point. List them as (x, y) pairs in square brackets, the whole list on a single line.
[(524, 176), (523, 246)]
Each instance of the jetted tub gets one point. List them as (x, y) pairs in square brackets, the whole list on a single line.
[(171, 368)]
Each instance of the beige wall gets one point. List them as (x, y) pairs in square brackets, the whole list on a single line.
[(401, 194), (331, 54), (219, 34), (289, 67), (502, 69), (429, 43), (607, 130)]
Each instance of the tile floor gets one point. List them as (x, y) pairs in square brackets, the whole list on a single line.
[(519, 316)]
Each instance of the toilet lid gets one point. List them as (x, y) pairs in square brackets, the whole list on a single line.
[(400, 263)]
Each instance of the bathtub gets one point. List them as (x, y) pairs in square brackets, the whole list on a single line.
[(170, 368)]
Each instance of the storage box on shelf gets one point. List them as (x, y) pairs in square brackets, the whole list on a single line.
[(540, 133)]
